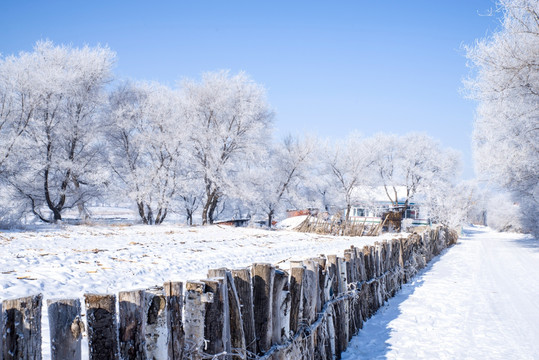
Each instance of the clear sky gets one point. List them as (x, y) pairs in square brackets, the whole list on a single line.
[(330, 67)]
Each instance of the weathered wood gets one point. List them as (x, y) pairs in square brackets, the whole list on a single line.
[(320, 280), (194, 315), (341, 326), (296, 294), (350, 274), (360, 263), (174, 298), (244, 289), (21, 328), (217, 318), (323, 282), (155, 324), (237, 335), (263, 276), (281, 308), (368, 254), (343, 281), (102, 326), (66, 328), (131, 335), (310, 291), (333, 273), (330, 324)]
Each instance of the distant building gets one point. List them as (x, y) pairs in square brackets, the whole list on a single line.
[(370, 205)]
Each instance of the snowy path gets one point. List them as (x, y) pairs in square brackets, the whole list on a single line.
[(478, 300)]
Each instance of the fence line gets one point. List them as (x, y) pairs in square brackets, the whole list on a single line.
[(310, 311), (339, 227)]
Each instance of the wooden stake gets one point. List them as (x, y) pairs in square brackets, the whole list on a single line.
[(237, 334), (174, 298), (281, 308), (65, 329), (263, 275), (296, 294), (132, 339), (217, 318), (155, 324), (102, 326), (243, 283), (334, 275), (310, 291), (194, 315), (21, 328)]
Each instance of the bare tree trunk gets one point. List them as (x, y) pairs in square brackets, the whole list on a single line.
[(213, 206), (270, 218), (141, 213)]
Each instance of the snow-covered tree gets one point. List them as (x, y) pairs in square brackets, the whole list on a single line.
[(147, 141), (506, 85), (278, 178), (453, 204), (58, 158), (18, 102), (231, 126), (414, 161), (348, 165)]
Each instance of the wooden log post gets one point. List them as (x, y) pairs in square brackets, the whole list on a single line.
[(281, 308), (355, 265), (174, 298), (155, 324), (321, 300), (341, 326), (263, 276), (297, 274), (376, 254), (332, 268), (194, 315), (237, 334), (350, 268), (323, 282), (101, 326), (321, 339), (330, 324), (368, 252), (21, 328), (244, 288), (310, 291), (343, 278), (66, 328), (362, 276), (131, 335), (217, 319)]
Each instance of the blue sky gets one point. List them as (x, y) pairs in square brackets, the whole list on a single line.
[(330, 67)]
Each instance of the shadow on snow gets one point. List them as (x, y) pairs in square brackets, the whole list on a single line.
[(372, 342)]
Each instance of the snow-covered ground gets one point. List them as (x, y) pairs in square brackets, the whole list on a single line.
[(69, 261), (478, 300)]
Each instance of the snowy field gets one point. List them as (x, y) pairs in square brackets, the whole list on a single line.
[(66, 262), (478, 300)]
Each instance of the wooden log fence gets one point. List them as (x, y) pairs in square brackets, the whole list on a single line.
[(339, 227), (262, 312)]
